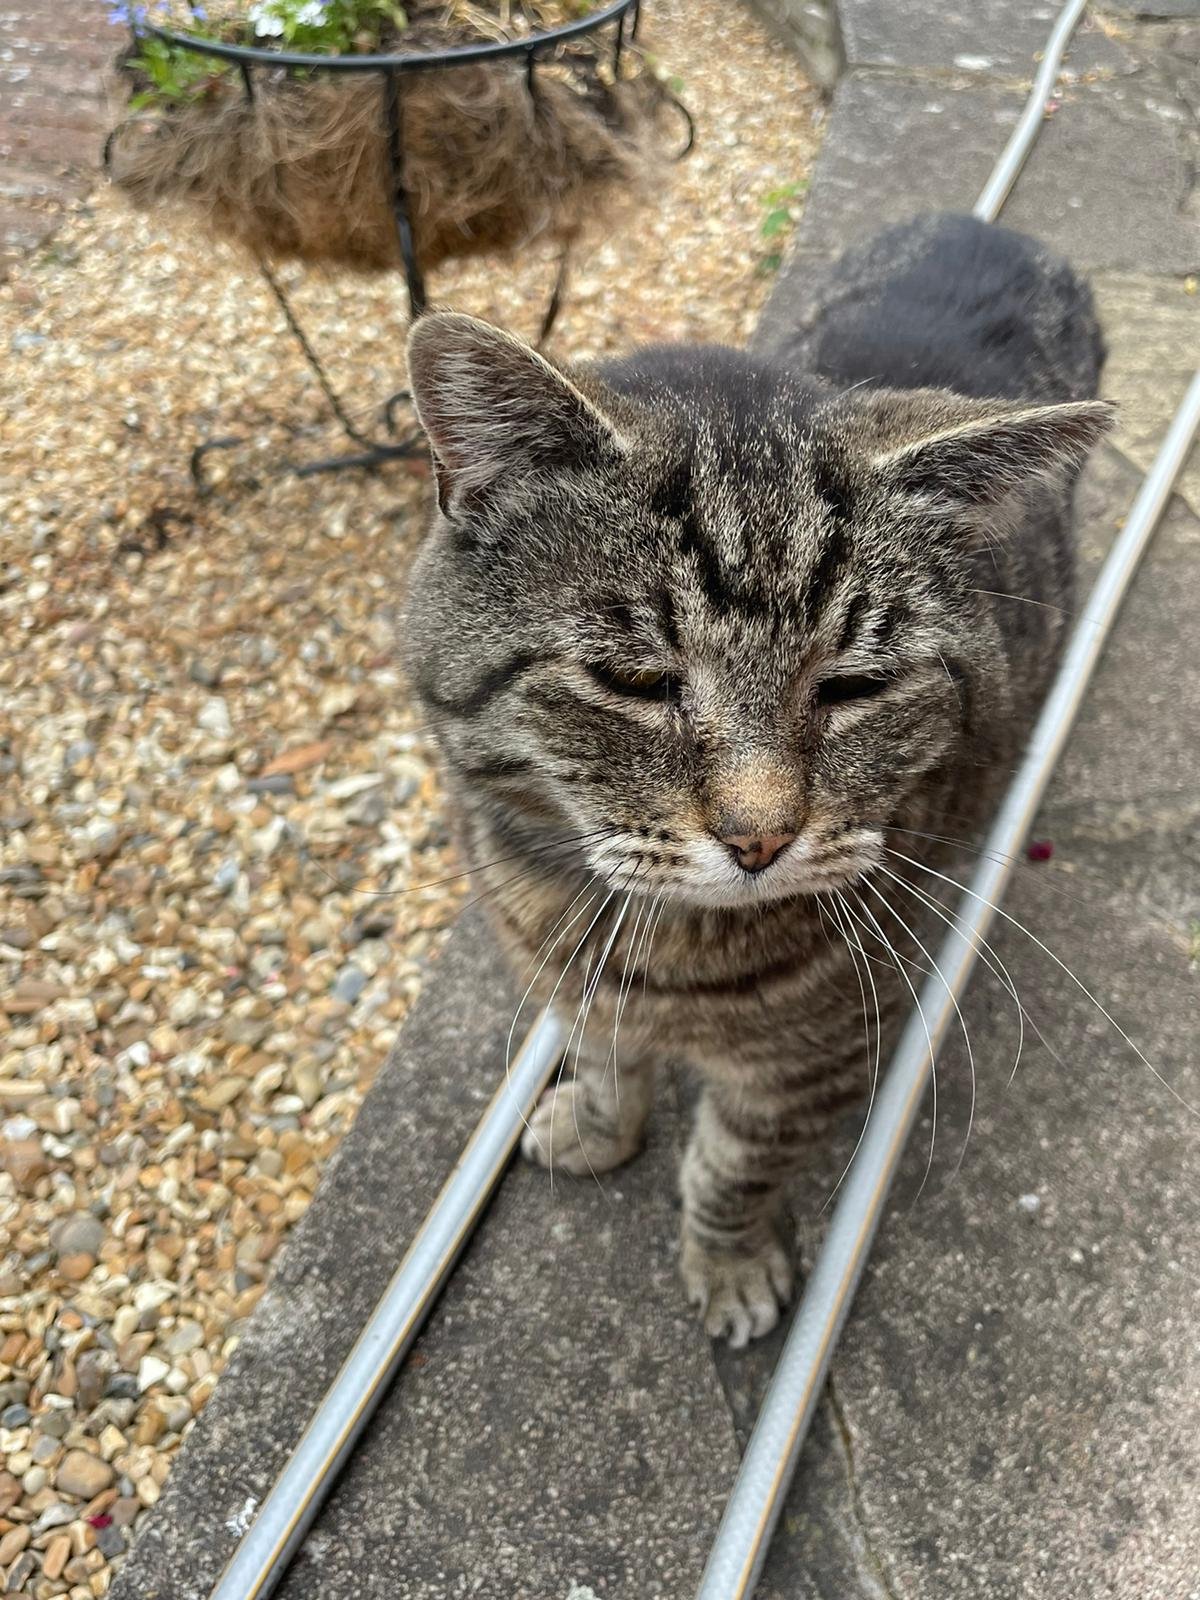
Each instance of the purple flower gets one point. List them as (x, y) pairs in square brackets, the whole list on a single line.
[(130, 16)]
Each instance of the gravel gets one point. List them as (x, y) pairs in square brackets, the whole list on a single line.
[(217, 806)]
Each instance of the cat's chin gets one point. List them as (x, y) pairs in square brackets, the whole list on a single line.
[(760, 889)]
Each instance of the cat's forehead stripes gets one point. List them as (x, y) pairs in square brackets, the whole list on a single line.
[(761, 527)]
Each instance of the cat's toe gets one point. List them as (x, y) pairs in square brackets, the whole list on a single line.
[(739, 1295), (560, 1136)]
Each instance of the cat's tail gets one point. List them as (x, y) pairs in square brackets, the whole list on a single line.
[(947, 301)]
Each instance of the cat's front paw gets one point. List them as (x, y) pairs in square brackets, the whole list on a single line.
[(739, 1293), (562, 1135)]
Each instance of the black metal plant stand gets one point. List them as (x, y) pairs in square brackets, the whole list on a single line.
[(621, 15)]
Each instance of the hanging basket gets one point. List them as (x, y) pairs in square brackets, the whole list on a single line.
[(456, 145)]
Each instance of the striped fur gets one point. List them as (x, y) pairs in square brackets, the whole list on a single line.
[(695, 595)]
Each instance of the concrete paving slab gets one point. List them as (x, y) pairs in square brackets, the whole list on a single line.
[(1001, 39), (1152, 326), (560, 1422), (885, 158)]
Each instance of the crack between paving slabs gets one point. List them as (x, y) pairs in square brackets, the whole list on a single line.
[(872, 1572)]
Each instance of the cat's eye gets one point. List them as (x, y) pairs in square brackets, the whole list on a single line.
[(853, 686), (647, 683)]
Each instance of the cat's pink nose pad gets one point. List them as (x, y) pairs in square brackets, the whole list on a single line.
[(754, 851)]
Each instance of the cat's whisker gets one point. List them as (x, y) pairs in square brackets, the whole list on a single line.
[(581, 1020), (846, 931), (916, 999), (572, 841), (986, 852), (650, 947), (1045, 605), (643, 917), (508, 1047), (558, 982), (987, 954), (1062, 965), (962, 1021)]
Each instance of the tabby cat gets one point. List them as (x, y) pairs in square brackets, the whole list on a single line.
[(716, 647)]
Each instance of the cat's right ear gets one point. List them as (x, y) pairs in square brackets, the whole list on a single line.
[(495, 410)]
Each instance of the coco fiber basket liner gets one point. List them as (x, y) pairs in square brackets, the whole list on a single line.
[(494, 153)]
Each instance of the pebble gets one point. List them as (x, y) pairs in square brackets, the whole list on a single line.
[(24, 1160), (186, 1336), (12, 1543), (111, 1540), (349, 984), (152, 1370), (214, 718), (84, 1475), (79, 1234), (56, 1515), (58, 1553)]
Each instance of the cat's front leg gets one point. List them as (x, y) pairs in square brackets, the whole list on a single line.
[(735, 1265), (594, 1119)]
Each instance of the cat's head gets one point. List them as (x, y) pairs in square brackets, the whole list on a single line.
[(698, 619)]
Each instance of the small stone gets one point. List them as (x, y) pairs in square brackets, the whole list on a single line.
[(184, 1008), (177, 1413), (151, 1370), (149, 1297), (56, 1515), (58, 1553), (14, 1417), (349, 983), (111, 1540), (20, 1572), (56, 1423), (148, 1491), (214, 718), (309, 1082), (24, 1160), (91, 1375), (83, 1474), (125, 1323), (10, 1492), (79, 1234), (186, 1336), (34, 1481), (205, 673), (151, 1425), (226, 876), (125, 1511), (76, 1268), (11, 1545), (1030, 1204), (112, 1442)]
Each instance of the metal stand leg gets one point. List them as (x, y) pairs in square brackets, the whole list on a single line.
[(373, 452), (557, 294)]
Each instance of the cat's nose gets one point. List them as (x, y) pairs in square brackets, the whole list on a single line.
[(754, 851)]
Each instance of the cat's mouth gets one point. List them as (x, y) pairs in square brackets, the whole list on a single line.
[(703, 872)]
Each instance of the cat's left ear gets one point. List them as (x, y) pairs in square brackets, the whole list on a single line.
[(967, 457), (495, 410)]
